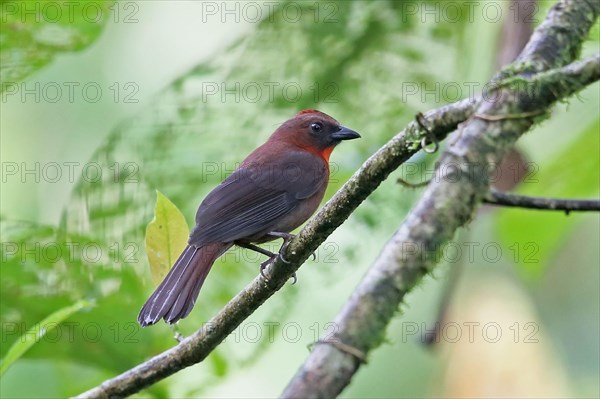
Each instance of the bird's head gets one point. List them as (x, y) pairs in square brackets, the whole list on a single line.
[(314, 131)]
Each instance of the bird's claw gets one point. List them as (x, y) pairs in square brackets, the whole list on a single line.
[(266, 263), (282, 250), (287, 237), (284, 260)]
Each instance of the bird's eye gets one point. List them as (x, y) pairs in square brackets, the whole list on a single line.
[(316, 127)]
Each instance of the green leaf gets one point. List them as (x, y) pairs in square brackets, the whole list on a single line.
[(166, 237), (37, 332)]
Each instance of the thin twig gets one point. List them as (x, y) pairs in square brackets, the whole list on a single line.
[(521, 201), (410, 185)]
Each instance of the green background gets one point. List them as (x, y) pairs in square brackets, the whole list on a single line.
[(186, 91)]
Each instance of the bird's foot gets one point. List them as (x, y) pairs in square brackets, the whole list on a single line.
[(282, 251), (287, 237), (266, 263)]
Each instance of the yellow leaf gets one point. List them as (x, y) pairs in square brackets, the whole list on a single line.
[(166, 237)]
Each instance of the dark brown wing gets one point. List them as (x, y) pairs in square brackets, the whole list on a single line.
[(256, 196)]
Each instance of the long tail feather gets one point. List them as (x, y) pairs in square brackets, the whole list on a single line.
[(176, 295)]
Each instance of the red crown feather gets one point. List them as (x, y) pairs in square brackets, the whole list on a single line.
[(308, 111)]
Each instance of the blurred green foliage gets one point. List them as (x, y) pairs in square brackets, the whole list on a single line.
[(34, 32), (37, 332), (373, 66), (569, 175)]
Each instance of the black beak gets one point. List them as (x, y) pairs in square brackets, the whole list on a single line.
[(344, 134)]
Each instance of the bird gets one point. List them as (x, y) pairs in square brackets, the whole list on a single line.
[(272, 192)]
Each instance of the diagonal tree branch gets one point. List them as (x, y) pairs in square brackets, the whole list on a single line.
[(555, 204), (194, 349), (450, 201)]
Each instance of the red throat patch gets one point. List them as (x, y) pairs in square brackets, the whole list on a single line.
[(326, 153), (322, 153)]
